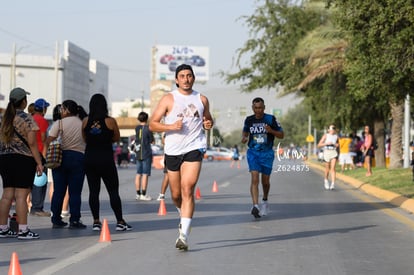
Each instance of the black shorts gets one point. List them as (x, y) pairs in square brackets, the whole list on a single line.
[(370, 153), (17, 171), (173, 163), (165, 166)]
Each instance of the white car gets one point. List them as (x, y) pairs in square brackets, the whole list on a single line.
[(218, 153)]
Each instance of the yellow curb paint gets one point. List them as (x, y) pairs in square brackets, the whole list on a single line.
[(391, 197)]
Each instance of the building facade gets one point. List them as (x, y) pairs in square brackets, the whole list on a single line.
[(71, 75)]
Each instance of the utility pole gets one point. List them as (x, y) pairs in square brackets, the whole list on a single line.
[(56, 72), (142, 101), (13, 68)]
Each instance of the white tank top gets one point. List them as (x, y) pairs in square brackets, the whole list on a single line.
[(331, 139), (191, 136)]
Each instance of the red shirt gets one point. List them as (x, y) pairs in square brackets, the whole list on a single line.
[(43, 125)]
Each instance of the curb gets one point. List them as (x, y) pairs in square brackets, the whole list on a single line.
[(385, 195)]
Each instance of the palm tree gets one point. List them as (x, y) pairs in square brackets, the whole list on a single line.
[(324, 51)]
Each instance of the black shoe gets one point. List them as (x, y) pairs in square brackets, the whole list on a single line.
[(27, 235), (8, 233), (123, 227), (255, 212), (59, 224), (77, 225)]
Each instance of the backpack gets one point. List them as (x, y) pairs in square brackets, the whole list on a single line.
[(374, 145)]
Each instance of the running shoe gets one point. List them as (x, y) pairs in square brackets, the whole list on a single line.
[(255, 212), (161, 197), (123, 227), (145, 198), (97, 226), (326, 184), (332, 187), (264, 208), (137, 197), (181, 242), (27, 235), (8, 233)]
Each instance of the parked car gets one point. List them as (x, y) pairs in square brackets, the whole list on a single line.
[(218, 153), (156, 151)]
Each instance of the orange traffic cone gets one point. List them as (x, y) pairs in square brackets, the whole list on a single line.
[(215, 188), (105, 233), (198, 194), (14, 268), (162, 211)]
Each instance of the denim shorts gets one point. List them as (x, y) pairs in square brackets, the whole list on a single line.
[(144, 166)]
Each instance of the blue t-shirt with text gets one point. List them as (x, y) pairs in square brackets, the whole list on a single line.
[(259, 138)]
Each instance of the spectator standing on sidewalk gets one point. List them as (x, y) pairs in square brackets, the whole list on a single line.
[(39, 193), (368, 150), (142, 147), (19, 162), (186, 115), (99, 132), (345, 159), (65, 207), (259, 132), (71, 173)]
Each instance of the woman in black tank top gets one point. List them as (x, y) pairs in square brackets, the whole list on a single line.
[(100, 131)]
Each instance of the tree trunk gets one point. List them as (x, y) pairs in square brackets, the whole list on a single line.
[(396, 152), (379, 135)]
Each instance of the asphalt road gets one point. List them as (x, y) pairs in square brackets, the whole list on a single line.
[(308, 231)]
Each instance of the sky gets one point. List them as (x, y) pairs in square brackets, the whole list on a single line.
[(121, 34)]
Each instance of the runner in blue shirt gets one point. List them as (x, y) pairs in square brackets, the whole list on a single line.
[(259, 131)]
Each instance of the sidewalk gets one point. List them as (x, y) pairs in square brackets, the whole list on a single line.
[(391, 197)]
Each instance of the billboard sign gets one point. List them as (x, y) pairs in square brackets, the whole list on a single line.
[(168, 58)]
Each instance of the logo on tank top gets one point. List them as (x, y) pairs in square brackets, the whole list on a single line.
[(189, 111), (95, 128)]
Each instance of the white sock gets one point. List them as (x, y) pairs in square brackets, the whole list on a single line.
[(23, 227), (185, 225)]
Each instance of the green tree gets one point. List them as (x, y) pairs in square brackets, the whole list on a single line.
[(380, 57), (295, 122), (275, 28)]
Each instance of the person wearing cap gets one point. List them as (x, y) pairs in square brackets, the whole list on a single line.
[(186, 114), (39, 193), (19, 162)]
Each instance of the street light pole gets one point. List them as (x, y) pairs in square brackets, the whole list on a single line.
[(13, 66)]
